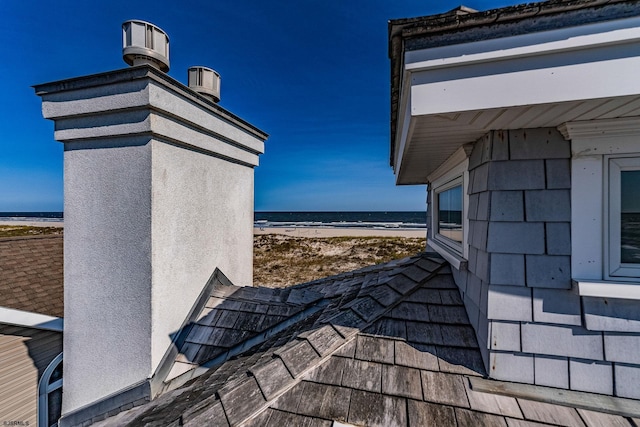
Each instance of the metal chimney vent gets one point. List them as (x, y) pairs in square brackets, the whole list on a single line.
[(205, 81), (144, 43)]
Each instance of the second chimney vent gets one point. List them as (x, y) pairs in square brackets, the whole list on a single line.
[(144, 43), (205, 81)]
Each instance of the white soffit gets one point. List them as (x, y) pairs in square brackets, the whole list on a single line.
[(455, 94)]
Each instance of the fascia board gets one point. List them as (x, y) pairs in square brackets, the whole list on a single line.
[(616, 32), (432, 95), (406, 122), (539, 68)]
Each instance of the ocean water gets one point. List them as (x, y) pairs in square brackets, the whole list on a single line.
[(376, 220), (31, 216)]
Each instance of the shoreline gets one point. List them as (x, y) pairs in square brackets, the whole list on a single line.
[(26, 223), (285, 231), (340, 232)]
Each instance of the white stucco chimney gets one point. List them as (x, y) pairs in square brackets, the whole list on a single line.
[(158, 193)]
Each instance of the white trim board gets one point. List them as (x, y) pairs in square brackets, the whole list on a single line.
[(602, 289), (455, 260), (29, 319), (591, 143), (539, 43)]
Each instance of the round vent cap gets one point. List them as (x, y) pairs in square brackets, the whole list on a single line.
[(145, 43), (205, 81)]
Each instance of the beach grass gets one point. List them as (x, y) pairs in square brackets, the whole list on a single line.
[(281, 261), (25, 230)]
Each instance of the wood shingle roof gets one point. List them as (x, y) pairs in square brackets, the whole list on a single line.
[(388, 345)]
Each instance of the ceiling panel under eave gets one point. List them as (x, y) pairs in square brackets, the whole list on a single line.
[(454, 94), (436, 137)]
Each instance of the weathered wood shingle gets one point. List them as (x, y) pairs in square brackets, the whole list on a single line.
[(375, 349), (272, 377), (401, 381), (240, 401), (298, 357), (377, 410), (404, 363), (362, 375), (324, 401)]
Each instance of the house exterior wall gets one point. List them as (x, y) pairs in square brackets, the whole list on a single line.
[(25, 354), (517, 285)]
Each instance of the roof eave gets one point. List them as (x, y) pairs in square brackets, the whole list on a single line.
[(461, 20)]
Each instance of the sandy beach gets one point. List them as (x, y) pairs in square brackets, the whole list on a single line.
[(339, 232), (285, 231), (59, 223), (285, 256)]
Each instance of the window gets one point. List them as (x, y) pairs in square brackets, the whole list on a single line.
[(624, 217), (50, 394), (449, 225), (605, 193), (449, 201)]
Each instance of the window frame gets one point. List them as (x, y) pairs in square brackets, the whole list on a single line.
[(447, 241), (454, 171), (44, 389), (592, 142), (614, 268)]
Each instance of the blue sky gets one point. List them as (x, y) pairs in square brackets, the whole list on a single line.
[(313, 74)]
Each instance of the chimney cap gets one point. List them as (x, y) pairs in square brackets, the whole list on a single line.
[(145, 43)]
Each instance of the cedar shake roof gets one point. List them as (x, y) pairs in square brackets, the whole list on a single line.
[(388, 345), (465, 25), (31, 274)]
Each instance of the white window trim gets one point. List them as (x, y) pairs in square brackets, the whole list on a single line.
[(602, 289), (454, 245), (452, 258), (614, 269), (454, 171), (592, 142)]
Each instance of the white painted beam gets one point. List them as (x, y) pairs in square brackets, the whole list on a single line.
[(486, 86), (29, 319)]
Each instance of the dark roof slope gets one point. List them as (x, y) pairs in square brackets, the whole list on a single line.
[(464, 25), (31, 274), (389, 345)]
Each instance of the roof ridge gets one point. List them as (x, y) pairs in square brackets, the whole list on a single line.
[(251, 375), (284, 370), (389, 265), (330, 352)]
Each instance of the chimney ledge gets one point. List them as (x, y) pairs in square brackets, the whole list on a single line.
[(142, 72)]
